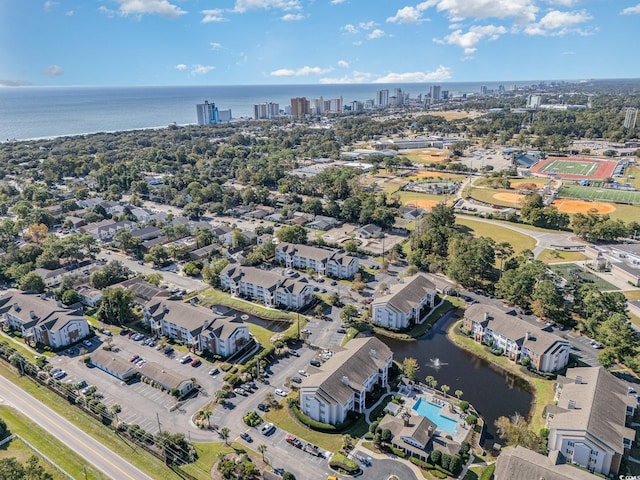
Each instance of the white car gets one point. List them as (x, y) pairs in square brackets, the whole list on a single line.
[(280, 392), (267, 428)]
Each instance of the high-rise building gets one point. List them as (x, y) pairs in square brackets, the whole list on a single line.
[(357, 106), (207, 113), (224, 116), (334, 105), (434, 93), (630, 118), (534, 101), (266, 110), (382, 98), (300, 107), (397, 92), (484, 90), (316, 106)]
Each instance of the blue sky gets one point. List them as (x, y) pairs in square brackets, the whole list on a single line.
[(226, 42)]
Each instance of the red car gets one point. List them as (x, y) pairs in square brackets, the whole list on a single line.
[(134, 358), (196, 363)]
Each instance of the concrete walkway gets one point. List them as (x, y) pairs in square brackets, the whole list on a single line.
[(389, 456), (368, 411)]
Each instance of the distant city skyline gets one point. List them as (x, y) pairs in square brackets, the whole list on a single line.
[(277, 42)]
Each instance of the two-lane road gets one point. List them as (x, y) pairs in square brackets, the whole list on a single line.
[(83, 444)]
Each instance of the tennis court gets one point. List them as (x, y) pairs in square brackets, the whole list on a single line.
[(601, 194)]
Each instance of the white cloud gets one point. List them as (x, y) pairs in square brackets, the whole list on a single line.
[(48, 5), (291, 17), (559, 23), (350, 29), (245, 5), (69, 13), (439, 74), (564, 3), (523, 11), (300, 72), (367, 25), (337, 2), (146, 7), (377, 33), (181, 67), (343, 64), (215, 46), (355, 77), (198, 69), (215, 15), (469, 40), (635, 10), (53, 71), (409, 14)]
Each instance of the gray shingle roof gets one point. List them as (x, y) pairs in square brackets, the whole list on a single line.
[(519, 463), (406, 296), (34, 310)]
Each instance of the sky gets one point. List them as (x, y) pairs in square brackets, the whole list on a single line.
[(260, 42)]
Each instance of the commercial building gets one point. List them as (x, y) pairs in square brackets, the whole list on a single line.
[(404, 304), (197, 327), (323, 261), (517, 339), (268, 287), (266, 110), (382, 98), (207, 113), (341, 385), (300, 107), (587, 423), (42, 320)]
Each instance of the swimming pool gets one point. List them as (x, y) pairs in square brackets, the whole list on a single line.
[(432, 412)]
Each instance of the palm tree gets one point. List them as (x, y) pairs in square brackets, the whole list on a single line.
[(431, 382), (458, 394), (262, 448), (224, 433), (445, 389), (206, 414), (347, 441)]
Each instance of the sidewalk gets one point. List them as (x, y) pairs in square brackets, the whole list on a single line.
[(389, 456)]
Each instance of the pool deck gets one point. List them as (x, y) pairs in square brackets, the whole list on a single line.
[(462, 429)]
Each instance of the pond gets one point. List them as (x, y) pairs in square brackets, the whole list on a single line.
[(491, 390), (271, 325)]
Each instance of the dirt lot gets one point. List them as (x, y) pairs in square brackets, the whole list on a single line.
[(580, 206)]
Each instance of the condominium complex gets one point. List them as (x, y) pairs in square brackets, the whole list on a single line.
[(323, 261), (266, 110), (300, 107), (382, 98), (404, 303), (208, 114)]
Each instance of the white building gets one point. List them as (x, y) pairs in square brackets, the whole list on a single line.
[(517, 338), (587, 423), (323, 261), (404, 303), (342, 383), (267, 287), (198, 327), (41, 320)]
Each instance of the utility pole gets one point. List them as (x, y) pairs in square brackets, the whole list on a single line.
[(159, 426)]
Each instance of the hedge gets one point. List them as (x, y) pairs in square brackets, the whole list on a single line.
[(420, 463), (398, 452), (488, 473), (323, 427), (344, 468)]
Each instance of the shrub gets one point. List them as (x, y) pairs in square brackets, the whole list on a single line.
[(373, 427), (464, 448), (445, 461), (398, 452), (464, 405), (225, 367), (438, 474), (471, 419), (288, 476), (420, 463), (455, 465), (488, 472), (435, 457), (252, 419)]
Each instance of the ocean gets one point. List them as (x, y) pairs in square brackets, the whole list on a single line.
[(44, 112)]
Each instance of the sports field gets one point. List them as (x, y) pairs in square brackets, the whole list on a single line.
[(575, 168), (602, 194)]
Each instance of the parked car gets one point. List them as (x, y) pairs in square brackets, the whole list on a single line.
[(296, 379), (133, 358), (168, 350), (341, 330), (268, 429), (185, 359), (196, 363), (246, 436), (240, 391), (262, 407), (214, 371), (294, 353), (315, 363), (280, 392), (86, 343)]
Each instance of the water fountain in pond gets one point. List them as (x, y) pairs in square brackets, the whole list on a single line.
[(436, 363)]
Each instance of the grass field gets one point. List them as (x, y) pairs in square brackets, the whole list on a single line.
[(555, 256), (596, 193), (487, 195), (19, 450), (518, 240), (569, 271), (571, 167), (632, 294)]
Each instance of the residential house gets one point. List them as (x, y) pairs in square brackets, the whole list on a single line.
[(404, 304), (411, 213), (202, 253), (517, 339), (520, 462), (323, 261), (197, 327), (166, 379), (227, 238), (141, 215), (411, 433), (52, 278), (89, 296), (146, 233), (587, 423), (113, 364), (74, 222), (369, 231), (268, 287), (341, 385), (142, 289), (42, 320)]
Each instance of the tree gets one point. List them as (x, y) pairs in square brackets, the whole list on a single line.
[(288, 476), (445, 389), (410, 368), (547, 301), (69, 297), (32, 282), (458, 394), (158, 255), (318, 311), (514, 431), (348, 313), (292, 234), (224, 434), (347, 442), (431, 381), (112, 273), (4, 430), (386, 435), (262, 448), (36, 233), (115, 306), (334, 299)]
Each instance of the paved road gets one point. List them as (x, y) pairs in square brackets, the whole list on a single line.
[(84, 445)]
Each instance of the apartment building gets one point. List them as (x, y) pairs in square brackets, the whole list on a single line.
[(518, 339), (323, 261), (404, 303)]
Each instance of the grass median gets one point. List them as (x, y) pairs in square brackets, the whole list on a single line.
[(211, 296)]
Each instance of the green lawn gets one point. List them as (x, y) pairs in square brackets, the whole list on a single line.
[(62, 456), (599, 193), (207, 456), (572, 167), (543, 389), (212, 296), (518, 240), (331, 442), (555, 256), (569, 271), (128, 450), (449, 304)]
